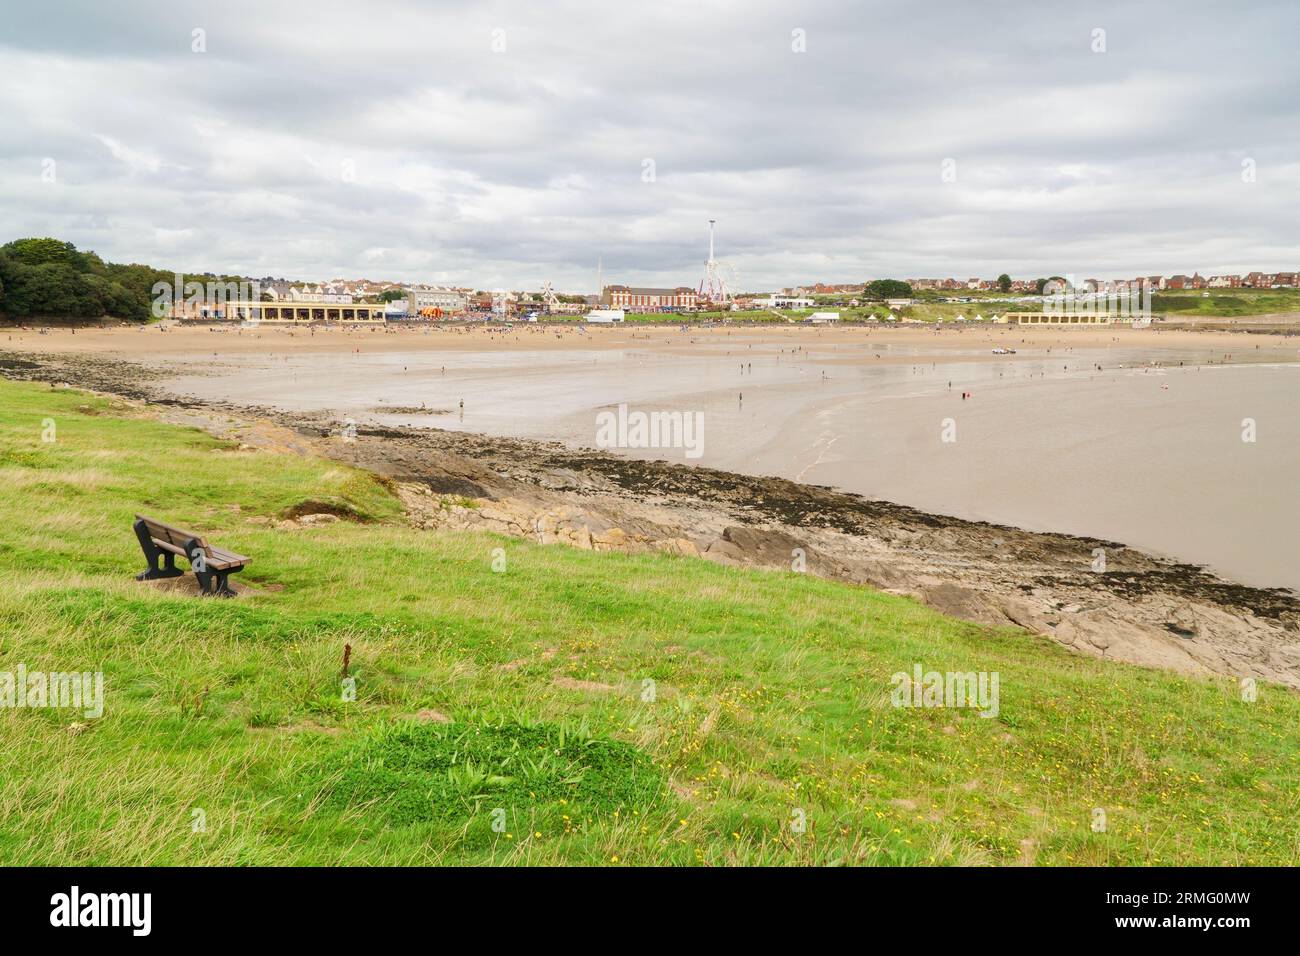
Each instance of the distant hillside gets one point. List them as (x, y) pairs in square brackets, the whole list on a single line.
[(1227, 302)]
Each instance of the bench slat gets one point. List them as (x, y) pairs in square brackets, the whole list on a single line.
[(170, 533), (173, 539), (222, 555)]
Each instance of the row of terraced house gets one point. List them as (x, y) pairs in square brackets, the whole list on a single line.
[(1251, 280)]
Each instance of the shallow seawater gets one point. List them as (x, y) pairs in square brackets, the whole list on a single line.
[(1198, 462)]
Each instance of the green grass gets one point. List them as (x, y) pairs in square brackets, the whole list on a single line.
[(699, 318), (1176, 305), (598, 709), (413, 772), (1227, 303), (949, 311)]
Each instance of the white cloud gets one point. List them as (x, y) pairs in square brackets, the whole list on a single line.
[(316, 141), (134, 158)]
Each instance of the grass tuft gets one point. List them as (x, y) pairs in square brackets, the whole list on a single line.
[(409, 772)]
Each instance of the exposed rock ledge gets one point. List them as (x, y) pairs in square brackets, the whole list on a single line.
[(1160, 629)]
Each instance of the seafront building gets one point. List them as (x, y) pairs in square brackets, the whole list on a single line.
[(644, 300), (328, 293), (1064, 318), (419, 298), (782, 300), (295, 313)]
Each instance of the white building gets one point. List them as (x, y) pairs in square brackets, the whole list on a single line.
[(780, 300), (319, 294), (434, 297)]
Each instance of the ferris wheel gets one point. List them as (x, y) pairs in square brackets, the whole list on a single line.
[(550, 298), (721, 281)]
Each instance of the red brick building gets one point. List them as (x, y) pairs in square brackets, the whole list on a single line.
[(636, 299)]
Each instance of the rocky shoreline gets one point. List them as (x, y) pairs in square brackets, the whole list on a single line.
[(1135, 607)]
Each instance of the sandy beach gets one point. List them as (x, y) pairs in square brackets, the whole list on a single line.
[(769, 339), (1116, 433)]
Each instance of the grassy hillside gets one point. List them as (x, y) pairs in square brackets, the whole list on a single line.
[(1177, 305), (1225, 302), (771, 696)]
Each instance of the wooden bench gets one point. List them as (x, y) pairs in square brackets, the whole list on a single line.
[(210, 564)]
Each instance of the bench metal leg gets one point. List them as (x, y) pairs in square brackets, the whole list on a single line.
[(217, 584), (152, 553), (212, 582), (205, 577)]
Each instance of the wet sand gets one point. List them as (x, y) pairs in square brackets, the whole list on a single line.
[(1147, 450), (203, 340)]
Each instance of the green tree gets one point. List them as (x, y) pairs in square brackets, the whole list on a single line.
[(887, 289), (39, 252), (1004, 283), (50, 277)]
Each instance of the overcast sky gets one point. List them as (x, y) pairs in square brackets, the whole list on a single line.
[(505, 144)]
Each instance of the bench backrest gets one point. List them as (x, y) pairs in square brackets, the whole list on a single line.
[(177, 537)]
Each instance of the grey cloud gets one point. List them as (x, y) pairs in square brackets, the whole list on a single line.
[(506, 169)]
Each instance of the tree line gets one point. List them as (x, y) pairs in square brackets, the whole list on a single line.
[(53, 279), (898, 289)]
